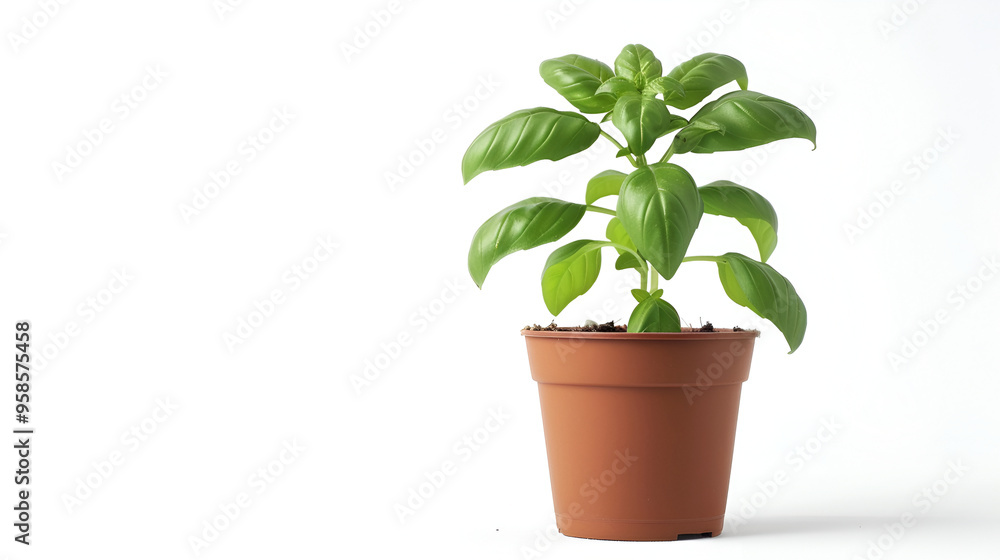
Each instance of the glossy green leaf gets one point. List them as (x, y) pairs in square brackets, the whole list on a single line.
[(520, 226), (760, 288), (675, 122), (577, 78), (618, 86), (660, 208), (605, 183), (528, 136), (666, 85), (607, 116), (626, 261), (615, 233), (569, 272), (640, 295), (657, 293), (654, 315), (725, 198), (702, 75), (637, 63), (740, 120), (641, 120)]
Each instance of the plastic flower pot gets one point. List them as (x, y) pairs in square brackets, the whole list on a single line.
[(639, 429)]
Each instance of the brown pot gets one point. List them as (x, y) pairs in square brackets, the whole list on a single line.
[(639, 429)]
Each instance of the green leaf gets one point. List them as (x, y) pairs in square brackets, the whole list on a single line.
[(660, 208), (520, 226), (528, 136), (702, 75), (577, 78), (725, 198), (626, 261), (616, 234), (654, 315), (622, 153), (607, 116), (641, 120), (770, 295), (665, 85), (640, 295), (657, 293), (569, 272), (740, 120), (638, 64), (675, 123), (605, 183), (618, 86)]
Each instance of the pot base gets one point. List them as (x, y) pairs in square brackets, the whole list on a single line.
[(640, 530)]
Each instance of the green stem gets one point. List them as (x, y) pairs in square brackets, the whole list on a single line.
[(620, 147), (642, 160), (607, 211), (654, 280), (670, 152), (644, 271), (703, 258)]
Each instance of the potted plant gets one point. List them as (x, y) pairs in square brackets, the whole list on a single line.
[(640, 422)]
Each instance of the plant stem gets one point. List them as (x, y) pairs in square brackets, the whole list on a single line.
[(654, 280), (607, 211), (620, 147), (703, 258), (642, 160), (642, 279), (670, 152)]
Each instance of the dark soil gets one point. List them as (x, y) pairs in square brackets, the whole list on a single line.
[(610, 326), (603, 327)]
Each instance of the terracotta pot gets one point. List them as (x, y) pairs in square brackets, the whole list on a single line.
[(639, 429)]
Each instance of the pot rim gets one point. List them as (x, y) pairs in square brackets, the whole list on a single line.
[(688, 335)]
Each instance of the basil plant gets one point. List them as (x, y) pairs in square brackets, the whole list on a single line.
[(659, 205)]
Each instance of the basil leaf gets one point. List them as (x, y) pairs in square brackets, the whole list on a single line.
[(740, 120), (520, 226), (528, 136), (725, 198)]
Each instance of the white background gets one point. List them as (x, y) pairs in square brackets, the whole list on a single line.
[(885, 82)]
